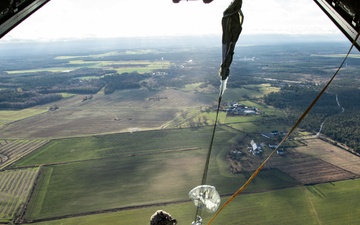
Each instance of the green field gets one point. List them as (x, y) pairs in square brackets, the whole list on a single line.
[(125, 174), (140, 66), (111, 53), (53, 69), (119, 145), (121, 177), (249, 91), (93, 61), (245, 123), (331, 204), (84, 174), (13, 150), (8, 116), (15, 186)]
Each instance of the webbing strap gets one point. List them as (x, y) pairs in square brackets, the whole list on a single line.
[(286, 137), (203, 181), (204, 177)]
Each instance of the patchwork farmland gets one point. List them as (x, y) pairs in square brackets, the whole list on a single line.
[(116, 158), (15, 188), (81, 175), (12, 150), (122, 111)]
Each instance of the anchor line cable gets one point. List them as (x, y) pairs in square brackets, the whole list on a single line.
[(206, 168), (286, 137)]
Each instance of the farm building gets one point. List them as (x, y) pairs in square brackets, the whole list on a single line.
[(273, 145), (273, 134), (239, 109), (255, 148), (280, 152)]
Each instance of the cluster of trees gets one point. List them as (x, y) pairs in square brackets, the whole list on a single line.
[(27, 90), (123, 81), (299, 97), (17, 99), (199, 121), (335, 111), (55, 81), (76, 86)]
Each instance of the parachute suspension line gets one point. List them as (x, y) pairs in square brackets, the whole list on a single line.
[(286, 137), (206, 196), (206, 168), (203, 181)]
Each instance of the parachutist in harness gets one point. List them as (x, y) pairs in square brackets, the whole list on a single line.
[(161, 217)]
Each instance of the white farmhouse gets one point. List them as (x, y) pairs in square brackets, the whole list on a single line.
[(255, 148)]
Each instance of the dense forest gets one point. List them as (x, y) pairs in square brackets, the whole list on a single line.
[(27, 90), (336, 112)]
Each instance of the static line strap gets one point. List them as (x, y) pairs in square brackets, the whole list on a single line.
[(286, 137), (203, 181)]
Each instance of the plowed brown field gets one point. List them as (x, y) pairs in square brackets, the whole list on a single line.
[(318, 162)]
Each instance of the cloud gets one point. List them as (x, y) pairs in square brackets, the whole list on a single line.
[(117, 18), (286, 17)]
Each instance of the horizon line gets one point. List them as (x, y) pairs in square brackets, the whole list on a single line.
[(330, 37)]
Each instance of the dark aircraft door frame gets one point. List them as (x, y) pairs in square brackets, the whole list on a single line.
[(16, 11), (345, 15)]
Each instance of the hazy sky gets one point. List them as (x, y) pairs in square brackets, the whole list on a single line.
[(60, 19)]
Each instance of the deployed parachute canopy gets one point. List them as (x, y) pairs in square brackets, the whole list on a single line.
[(232, 26), (205, 196)]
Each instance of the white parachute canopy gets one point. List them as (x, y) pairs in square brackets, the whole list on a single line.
[(205, 196)]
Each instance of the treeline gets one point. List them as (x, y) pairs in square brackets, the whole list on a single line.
[(20, 91), (27, 90), (336, 112), (123, 81), (75, 86), (298, 98), (56, 81), (16, 99)]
